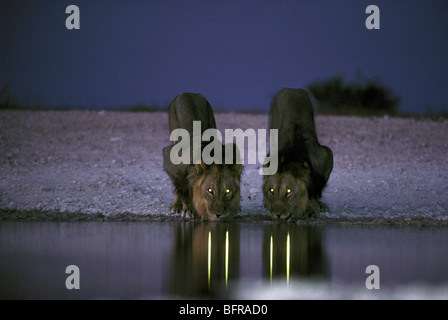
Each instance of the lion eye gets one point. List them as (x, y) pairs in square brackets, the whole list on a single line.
[(288, 191), (228, 191), (210, 190), (271, 190)]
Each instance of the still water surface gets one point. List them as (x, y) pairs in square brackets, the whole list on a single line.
[(166, 260)]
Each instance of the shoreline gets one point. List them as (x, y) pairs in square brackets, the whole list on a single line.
[(58, 217)]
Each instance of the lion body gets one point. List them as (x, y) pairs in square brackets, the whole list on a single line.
[(210, 191), (304, 165)]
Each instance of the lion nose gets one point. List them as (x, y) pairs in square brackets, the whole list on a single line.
[(279, 216), (276, 214)]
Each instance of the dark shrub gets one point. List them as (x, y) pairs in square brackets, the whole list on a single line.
[(369, 98)]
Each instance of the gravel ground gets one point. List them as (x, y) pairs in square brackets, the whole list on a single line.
[(109, 164)]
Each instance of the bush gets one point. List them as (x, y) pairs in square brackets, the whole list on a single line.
[(368, 99), (6, 102)]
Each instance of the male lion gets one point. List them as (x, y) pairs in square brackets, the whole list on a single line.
[(304, 165), (209, 190)]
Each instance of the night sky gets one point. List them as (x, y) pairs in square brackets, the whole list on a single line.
[(236, 53)]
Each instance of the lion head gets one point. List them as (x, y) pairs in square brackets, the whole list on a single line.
[(285, 193), (216, 190)]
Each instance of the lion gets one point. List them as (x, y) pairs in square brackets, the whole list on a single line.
[(211, 191), (304, 165)]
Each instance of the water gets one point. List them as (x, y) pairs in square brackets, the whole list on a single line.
[(168, 260)]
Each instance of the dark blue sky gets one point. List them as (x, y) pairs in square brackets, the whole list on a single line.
[(236, 53)]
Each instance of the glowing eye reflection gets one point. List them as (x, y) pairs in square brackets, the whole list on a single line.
[(227, 191), (272, 189), (227, 256), (288, 249), (210, 190), (288, 191), (271, 256), (209, 257)]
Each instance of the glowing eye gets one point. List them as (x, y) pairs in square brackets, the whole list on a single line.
[(210, 190), (288, 191), (272, 189), (227, 191)]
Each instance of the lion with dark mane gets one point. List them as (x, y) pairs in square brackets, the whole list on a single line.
[(211, 191), (304, 165)]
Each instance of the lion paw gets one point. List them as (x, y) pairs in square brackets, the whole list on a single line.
[(323, 207), (176, 207)]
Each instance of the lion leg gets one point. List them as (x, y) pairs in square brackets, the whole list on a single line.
[(313, 209), (188, 212), (322, 206), (176, 207)]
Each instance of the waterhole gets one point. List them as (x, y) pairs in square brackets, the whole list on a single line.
[(234, 260)]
